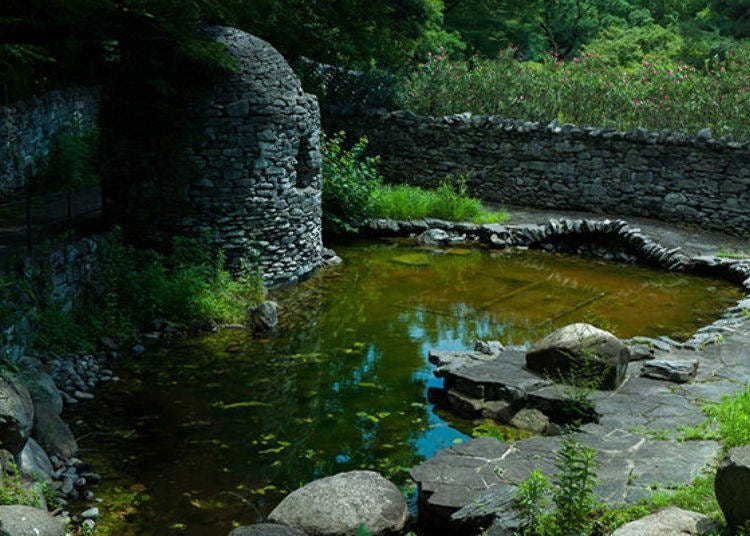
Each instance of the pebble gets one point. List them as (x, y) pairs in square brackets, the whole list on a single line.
[(90, 525), (91, 513), (138, 349), (83, 396)]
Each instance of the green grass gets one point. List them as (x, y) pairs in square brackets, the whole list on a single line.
[(446, 202), (732, 416)]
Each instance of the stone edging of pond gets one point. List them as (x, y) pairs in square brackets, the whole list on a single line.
[(634, 434)]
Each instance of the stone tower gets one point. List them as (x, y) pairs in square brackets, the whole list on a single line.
[(248, 180)]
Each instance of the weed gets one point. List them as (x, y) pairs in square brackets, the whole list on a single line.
[(571, 490), (449, 201), (732, 417)]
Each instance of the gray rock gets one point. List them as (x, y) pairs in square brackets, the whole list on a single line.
[(435, 238), (34, 463), (17, 520), (16, 414), (265, 529), (732, 484), (337, 505), (670, 370), (532, 420), (52, 433), (482, 510), (40, 385), (91, 513), (670, 521), (263, 317), (580, 353)]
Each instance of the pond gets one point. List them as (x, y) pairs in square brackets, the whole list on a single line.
[(215, 430)]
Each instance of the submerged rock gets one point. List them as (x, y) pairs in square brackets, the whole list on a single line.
[(581, 353), (670, 521), (732, 484), (337, 505)]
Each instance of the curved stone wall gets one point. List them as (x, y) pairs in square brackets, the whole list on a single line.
[(248, 178), (669, 176)]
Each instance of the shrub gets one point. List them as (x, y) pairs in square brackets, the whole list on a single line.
[(139, 286), (349, 180), (656, 94)]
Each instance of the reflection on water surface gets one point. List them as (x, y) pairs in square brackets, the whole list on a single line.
[(216, 429)]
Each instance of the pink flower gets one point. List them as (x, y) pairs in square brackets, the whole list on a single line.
[(671, 72), (521, 97), (576, 60)]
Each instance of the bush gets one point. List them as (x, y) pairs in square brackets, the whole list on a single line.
[(658, 94), (72, 162), (349, 180), (139, 286)]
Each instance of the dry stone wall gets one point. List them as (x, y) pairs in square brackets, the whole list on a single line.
[(28, 130), (249, 179), (669, 176)]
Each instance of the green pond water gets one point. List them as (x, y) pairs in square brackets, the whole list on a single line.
[(215, 430)]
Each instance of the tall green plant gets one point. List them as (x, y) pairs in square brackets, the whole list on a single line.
[(349, 180), (572, 493)]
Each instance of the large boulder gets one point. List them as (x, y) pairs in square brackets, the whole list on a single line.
[(337, 505), (18, 520), (265, 529), (670, 521), (16, 414), (52, 433), (580, 353), (40, 385), (34, 463), (732, 485)]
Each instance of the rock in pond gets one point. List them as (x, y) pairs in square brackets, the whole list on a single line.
[(265, 529), (34, 463), (339, 504), (17, 520), (16, 414), (670, 521), (264, 317), (581, 353), (732, 484), (52, 433), (434, 237)]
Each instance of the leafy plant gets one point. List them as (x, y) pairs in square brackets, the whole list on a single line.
[(349, 180), (732, 415), (572, 493), (15, 491)]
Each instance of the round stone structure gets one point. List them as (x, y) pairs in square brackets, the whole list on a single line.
[(247, 179)]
